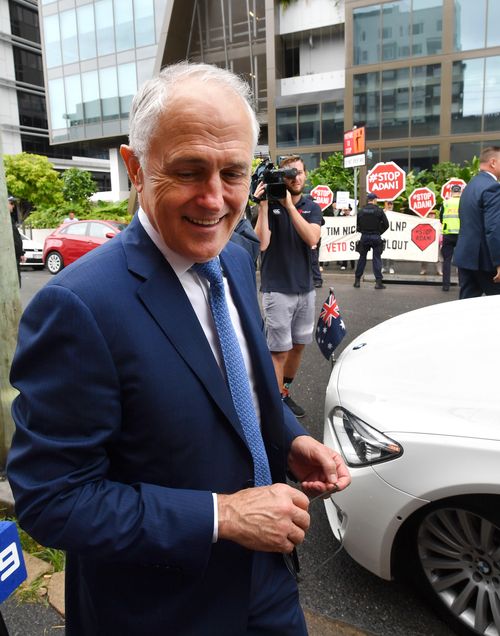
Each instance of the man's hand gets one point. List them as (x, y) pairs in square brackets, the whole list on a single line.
[(496, 278), (287, 201), (260, 191), (269, 519), (319, 469)]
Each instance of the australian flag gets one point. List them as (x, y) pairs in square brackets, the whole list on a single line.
[(330, 329)]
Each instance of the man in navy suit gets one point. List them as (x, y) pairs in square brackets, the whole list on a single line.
[(128, 452), (477, 254)]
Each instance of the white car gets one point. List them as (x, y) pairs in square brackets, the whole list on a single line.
[(33, 250), (413, 405)]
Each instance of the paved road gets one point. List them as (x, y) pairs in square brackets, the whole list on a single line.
[(339, 589)]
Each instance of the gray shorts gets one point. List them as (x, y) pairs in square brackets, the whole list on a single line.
[(289, 319)]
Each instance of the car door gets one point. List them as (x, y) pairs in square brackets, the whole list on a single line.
[(97, 233), (74, 241)]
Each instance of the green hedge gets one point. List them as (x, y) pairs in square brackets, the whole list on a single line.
[(45, 218)]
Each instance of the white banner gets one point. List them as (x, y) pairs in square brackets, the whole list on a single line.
[(409, 238)]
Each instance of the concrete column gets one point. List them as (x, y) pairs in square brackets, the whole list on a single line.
[(119, 176)]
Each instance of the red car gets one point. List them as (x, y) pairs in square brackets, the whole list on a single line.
[(72, 240)]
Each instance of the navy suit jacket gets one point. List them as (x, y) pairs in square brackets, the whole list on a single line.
[(124, 428), (478, 246)]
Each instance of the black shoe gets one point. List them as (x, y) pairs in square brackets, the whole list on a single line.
[(297, 410), (446, 288), (318, 283), (356, 283), (379, 285)]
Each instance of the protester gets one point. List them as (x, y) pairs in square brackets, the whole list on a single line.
[(451, 227), (372, 223), (18, 241), (477, 254), (387, 264), (348, 211), (287, 230), (131, 451)]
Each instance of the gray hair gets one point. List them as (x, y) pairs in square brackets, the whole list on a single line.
[(153, 96)]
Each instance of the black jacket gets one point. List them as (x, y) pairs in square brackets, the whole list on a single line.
[(372, 220)]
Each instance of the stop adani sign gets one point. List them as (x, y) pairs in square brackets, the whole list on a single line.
[(446, 189), (323, 196), (422, 201), (386, 180)]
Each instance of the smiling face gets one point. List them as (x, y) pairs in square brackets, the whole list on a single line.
[(195, 177)]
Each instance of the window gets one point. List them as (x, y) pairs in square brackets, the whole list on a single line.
[(86, 31), (108, 86), (124, 25), (367, 103), (332, 122), (75, 229), (127, 86), (52, 41), (425, 99), (395, 103), (470, 24), (99, 230), (467, 95), (493, 33), (366, 19), (69, 40), (492, 94), (144, 22), (309, 125), (286, 126), (104, 27), (90, 94)]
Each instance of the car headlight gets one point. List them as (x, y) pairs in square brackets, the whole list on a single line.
[(362, 444)]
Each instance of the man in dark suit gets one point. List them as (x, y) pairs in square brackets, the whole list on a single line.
[(477, 254), (131, 451)]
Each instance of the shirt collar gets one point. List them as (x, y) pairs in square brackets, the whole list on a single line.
[(180, 264), (491, 174)]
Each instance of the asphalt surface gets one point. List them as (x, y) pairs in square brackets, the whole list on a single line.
[(336, 588)]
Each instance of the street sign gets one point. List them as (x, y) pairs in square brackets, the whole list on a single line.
[(422, 201), (386, 180), (354, 147), (423, 235), (446, 189), (322, 195)]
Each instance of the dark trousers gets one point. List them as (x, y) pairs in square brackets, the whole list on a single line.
[(315, 264), (274, 605), (475, 283), (370, 242), (447, 249)]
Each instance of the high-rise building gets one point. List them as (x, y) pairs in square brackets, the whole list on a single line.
[(423, 76), (23, 114)]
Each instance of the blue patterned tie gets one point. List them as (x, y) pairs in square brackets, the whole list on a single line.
[(236, 373)]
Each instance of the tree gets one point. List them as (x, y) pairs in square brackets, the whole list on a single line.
[(331, 172), (32, 180), (78, 186)]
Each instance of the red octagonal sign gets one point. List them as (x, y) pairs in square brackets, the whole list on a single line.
[(386, 180), (423, 235), (446, 189), (422, 201), (322, 195)]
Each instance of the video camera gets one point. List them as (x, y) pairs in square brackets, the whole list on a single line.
[(273, 178)]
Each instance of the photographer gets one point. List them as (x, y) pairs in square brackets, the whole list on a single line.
[(287, 228)]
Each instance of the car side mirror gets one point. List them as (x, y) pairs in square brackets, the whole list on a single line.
[(110, 234)]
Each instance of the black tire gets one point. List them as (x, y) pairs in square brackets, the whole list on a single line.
[(454, 558), (54, 262)]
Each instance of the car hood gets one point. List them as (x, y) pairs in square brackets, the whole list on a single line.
[(28, 244), (431, 371)]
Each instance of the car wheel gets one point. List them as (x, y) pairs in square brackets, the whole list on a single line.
[(54, 262), (456, 554)]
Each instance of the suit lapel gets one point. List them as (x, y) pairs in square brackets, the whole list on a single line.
[(165, 299)]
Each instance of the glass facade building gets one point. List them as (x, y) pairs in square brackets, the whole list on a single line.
[(96, 55), (424, 77)]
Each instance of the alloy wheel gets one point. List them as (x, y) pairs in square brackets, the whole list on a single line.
[(459, 552)]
